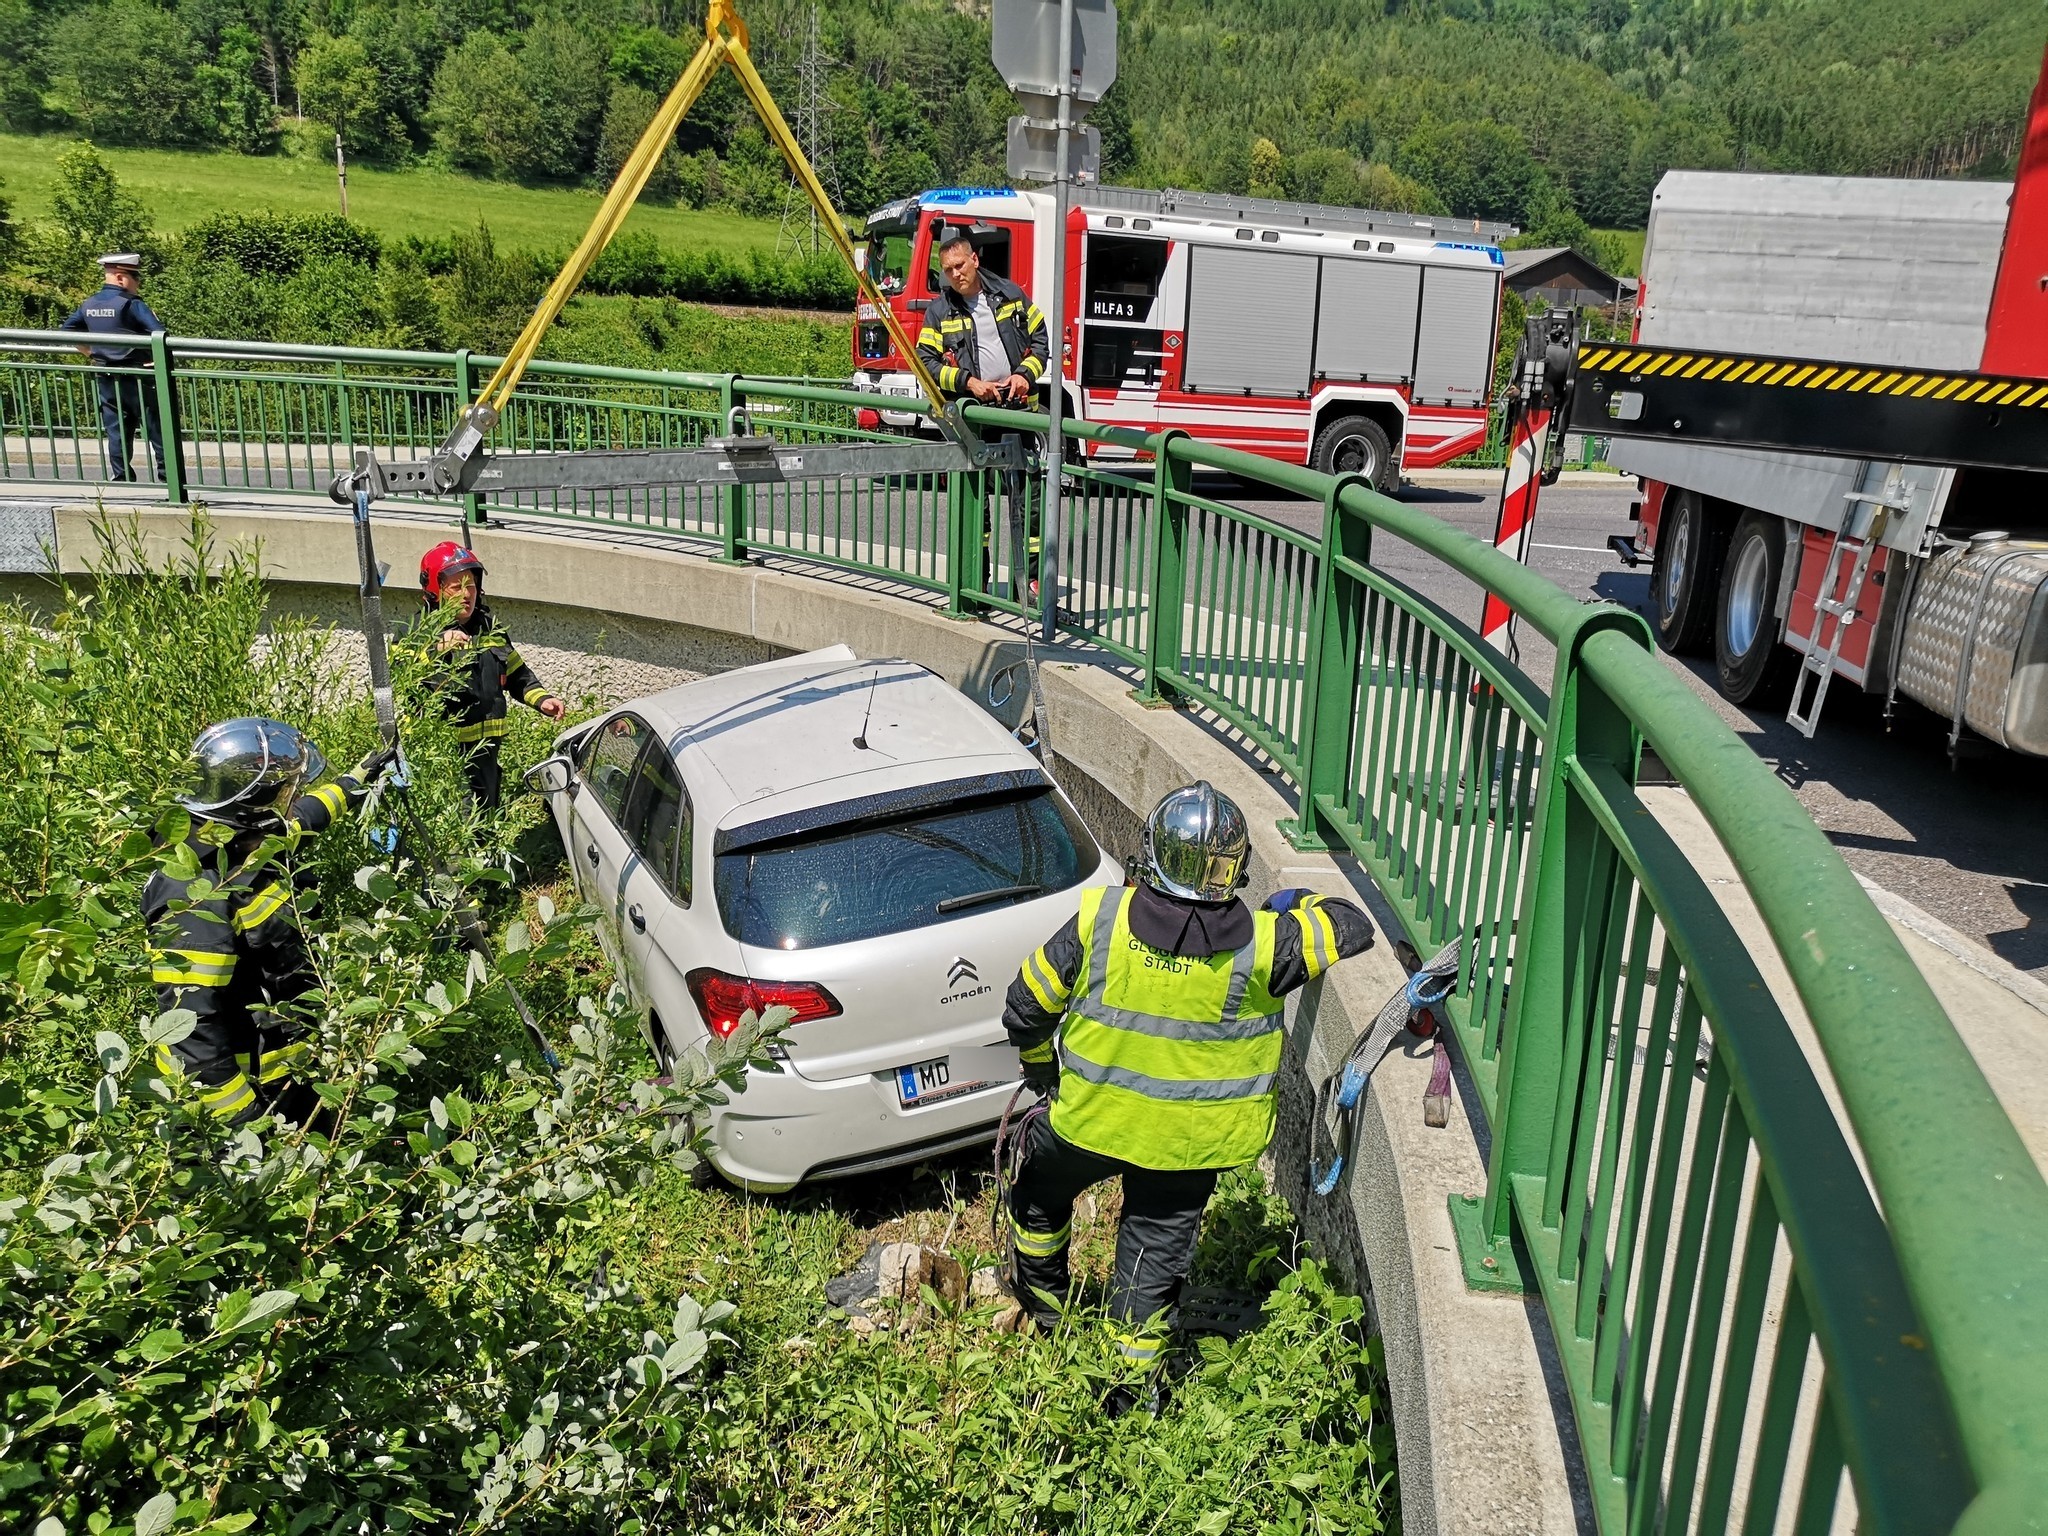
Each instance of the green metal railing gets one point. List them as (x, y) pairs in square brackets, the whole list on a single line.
[(1767, 1313)]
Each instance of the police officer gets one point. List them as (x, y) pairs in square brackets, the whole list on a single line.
[(1153, 1021), (473, 665), (125, 401), (984, 338), (233, 954)]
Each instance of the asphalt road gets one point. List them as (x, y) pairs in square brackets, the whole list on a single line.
[(1968, 843)]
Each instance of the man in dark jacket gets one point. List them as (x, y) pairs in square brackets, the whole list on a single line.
[(473, 665), (234, 954), (127, 397), (1153, 1021), (984, 338), (982, 335)]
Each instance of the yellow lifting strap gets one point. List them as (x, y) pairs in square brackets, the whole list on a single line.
[(725, 41)]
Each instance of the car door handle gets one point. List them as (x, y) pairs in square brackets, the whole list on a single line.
[(637, 917), (590, 853)]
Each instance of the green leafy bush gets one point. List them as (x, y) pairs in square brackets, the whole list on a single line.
[(279, 244), (381, 1323)]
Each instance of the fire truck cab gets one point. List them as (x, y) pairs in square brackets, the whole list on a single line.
[(1340, 338)]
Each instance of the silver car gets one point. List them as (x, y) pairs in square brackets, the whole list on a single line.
[(853, 839)]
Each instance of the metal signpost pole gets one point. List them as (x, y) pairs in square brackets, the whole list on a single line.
[(1051, 516)]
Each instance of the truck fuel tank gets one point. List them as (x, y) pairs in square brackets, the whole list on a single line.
[(1975, 648)]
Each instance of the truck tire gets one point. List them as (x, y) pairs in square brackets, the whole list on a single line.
[(1357, 445), (1685, 575), (1751, 666)]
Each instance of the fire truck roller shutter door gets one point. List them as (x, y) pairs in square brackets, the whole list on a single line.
[(1251, 321), (1365, 328), (1454, 341)]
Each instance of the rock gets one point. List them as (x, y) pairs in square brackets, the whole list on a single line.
[(906, 1268), (988, 1284), (859, 1284)]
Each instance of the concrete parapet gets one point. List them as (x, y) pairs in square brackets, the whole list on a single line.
[(1482, 1429)]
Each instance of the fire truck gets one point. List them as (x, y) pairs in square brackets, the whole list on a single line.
[(1924, 574), (1340, 338)]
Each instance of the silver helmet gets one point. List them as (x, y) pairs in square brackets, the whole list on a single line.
[(1196, 845), (246, 772)]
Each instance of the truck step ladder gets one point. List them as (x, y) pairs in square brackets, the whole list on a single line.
[(1819, 661)]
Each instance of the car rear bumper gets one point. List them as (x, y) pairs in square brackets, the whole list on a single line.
[(785, 1129)]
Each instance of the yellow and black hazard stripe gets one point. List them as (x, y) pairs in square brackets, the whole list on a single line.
[(1852, 410)]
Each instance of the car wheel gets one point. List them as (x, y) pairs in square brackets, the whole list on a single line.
[(1685, 575), (1357, 445), (1750, 666)]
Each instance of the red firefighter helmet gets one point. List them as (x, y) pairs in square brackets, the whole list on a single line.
[(446, 559)]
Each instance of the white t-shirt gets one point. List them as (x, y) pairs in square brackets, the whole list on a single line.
[(991, 357)]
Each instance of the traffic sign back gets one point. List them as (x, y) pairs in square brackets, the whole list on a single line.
[(1024, 41)]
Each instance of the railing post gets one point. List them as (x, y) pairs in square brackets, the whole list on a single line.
[(1563, 897), (732, 499), (1336, 655), (1166, 568), (465, 395), (169, 425), (963, 530)]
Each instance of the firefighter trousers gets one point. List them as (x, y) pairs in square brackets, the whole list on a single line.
[(1155, 1241), (486, 775)]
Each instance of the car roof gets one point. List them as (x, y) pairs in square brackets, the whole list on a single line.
[(779, 737)]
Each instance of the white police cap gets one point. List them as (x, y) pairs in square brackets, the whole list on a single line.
[(122, 259)]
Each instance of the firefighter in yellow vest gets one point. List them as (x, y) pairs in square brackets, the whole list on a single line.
[(1153, 1021)]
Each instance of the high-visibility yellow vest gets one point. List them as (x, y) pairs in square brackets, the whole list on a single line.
[(1168, 1061)]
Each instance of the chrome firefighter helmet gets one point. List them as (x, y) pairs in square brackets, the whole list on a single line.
[(246, 772), (1196, 845)]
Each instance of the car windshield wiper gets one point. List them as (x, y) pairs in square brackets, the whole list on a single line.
[(977, 898)]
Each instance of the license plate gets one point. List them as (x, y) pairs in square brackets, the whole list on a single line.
[(929, 1081)]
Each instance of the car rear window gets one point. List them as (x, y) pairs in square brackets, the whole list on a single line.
[(880, 877)]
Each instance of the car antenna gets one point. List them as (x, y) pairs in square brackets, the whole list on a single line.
[(861, 741)]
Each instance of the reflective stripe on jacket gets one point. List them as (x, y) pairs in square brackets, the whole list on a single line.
[(1168, 1061)]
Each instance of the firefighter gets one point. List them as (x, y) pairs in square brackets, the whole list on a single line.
[(126, 400), (473, 665), (1153, 1023), (233, 953), (984, 338)]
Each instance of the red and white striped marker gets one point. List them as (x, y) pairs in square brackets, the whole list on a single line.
[(1519, 487)]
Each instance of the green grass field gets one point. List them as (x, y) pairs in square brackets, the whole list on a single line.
[(180, 186), (1631, 241)]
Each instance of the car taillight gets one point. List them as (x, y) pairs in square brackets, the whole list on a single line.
[(866, 419), (722, 999)]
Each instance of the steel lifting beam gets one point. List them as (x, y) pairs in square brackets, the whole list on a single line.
[(747, 459), (1847, 410)]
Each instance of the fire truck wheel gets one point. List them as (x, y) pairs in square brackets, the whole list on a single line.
[(1357, 445), (1685, 576), (1750, 666)]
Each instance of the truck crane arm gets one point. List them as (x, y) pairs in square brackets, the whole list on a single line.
[(1847, 410)]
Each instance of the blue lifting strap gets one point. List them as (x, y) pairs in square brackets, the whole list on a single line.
[(1424, 990)]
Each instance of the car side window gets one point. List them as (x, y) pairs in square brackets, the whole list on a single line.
[(658, 821), (608, 762)]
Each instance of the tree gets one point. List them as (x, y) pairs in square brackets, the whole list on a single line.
[(1269, 170), (340, 87), (21, 76), (482, 119), (1481, 170), (126, 70), (91, 209), (562, 68), (237, 113), (626, 116)]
